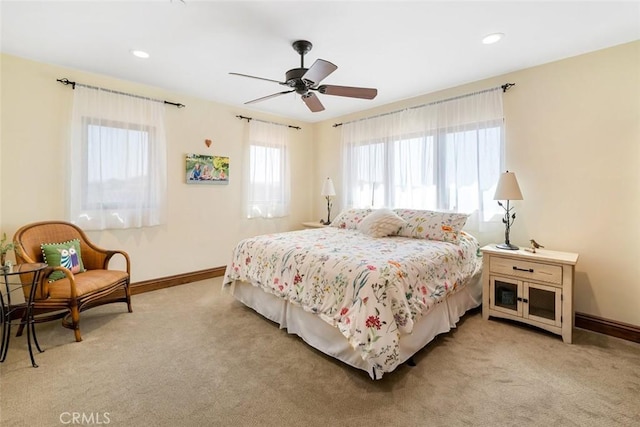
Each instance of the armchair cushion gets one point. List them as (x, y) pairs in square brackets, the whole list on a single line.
[(87, 283), (65, 254)]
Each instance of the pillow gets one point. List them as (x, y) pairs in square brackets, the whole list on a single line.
[(423, 224), (350, 218), (381, 223), (65, 254)]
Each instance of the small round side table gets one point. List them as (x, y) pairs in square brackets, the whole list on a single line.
[(15, 277)]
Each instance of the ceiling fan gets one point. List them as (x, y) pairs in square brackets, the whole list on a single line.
[(306, 81)]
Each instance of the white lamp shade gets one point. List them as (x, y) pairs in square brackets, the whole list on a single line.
[(327, 188), (508, 188)]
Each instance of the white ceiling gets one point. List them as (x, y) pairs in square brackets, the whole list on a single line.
[(403, 49)]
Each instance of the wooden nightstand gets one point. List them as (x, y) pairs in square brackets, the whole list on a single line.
[(313, 224), (533, 288)]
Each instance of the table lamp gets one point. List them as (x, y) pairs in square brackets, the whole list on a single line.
[(508, 189), (328, 191)]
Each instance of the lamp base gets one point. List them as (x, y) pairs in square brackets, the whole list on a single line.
[(507, 246)]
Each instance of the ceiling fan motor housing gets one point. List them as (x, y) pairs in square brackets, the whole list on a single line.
[(294, 80)]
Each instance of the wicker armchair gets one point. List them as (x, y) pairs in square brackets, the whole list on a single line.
[(67, 297)]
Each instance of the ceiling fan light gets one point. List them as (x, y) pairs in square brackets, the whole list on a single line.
[(492, 38)]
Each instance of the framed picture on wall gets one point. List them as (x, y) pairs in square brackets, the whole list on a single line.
[(203, 169)]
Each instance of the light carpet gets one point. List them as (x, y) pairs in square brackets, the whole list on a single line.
[(192, 356)]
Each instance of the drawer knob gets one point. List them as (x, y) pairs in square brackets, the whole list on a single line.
[(530, 270)]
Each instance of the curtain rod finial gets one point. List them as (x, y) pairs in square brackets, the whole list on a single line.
[(65, 81), (505, 87)]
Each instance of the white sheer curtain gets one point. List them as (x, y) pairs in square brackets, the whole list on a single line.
[(117, 172), (267, 184), (443, 156)]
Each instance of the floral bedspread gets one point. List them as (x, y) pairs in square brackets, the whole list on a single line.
[(371, 289)]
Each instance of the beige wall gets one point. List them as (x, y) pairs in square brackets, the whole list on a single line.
[(204, 222), (573, 139)]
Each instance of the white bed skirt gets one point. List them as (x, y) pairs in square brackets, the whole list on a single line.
[(328, 339)]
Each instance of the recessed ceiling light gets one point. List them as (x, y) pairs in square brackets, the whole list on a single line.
[(139, 53), (492, 38)]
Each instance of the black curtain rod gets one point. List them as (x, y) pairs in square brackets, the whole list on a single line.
[(248, 119), (66, 82), (505, 87)]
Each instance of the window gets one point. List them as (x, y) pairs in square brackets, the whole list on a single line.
[(116, 165), (119, 149), (444, 156), (268, 186)]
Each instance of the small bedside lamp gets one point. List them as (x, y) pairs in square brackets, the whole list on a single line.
[(328, 191), (508, 189)]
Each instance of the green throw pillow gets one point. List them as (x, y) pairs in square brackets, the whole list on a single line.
[(65, 254)]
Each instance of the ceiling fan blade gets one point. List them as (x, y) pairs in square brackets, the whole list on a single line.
[(318, 71), (351, 92), (313, 102), (264, 98), (259, 78)]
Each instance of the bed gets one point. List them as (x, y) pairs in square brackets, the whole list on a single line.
[(371, 290)]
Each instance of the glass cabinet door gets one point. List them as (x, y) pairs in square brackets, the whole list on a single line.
[(505, 295), (544, 304)]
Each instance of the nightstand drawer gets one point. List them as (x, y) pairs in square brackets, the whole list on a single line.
[(527, 270)]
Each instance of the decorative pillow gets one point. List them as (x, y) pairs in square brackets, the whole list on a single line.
[(350, 218), (381, 223), (65, 254), (423, 224)]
